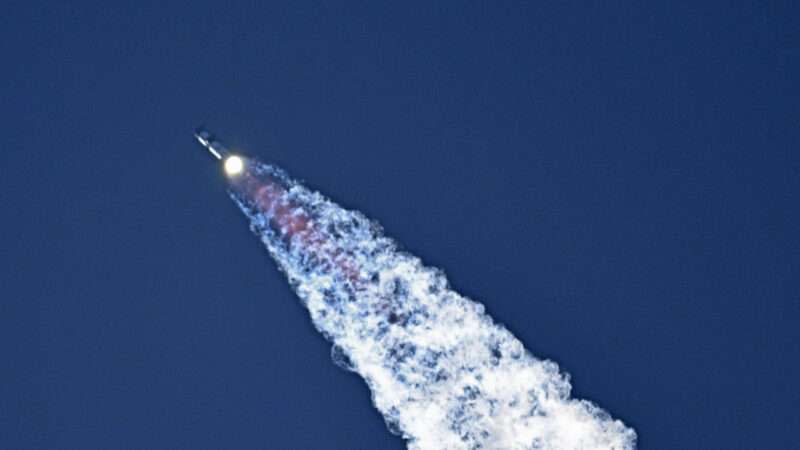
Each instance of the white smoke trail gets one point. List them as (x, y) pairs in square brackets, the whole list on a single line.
[(442, 373)]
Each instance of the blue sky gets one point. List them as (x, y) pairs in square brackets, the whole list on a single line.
[(618, 184)]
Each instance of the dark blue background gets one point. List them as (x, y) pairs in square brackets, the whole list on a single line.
[(618, 184)]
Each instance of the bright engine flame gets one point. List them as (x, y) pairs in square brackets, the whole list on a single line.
[(234, 165)]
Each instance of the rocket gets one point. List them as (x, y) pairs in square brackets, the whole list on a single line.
[(207, 140), (233, 164)]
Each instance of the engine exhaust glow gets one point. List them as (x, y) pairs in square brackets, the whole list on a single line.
[(234, 165)]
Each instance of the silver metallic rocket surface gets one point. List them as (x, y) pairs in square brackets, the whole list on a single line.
[(210, 142)]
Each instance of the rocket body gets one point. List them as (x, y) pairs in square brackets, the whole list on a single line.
[(207, 140)]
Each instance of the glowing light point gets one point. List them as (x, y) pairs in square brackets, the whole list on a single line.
[(234, 165)]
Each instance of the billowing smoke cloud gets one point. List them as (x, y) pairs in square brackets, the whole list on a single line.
[(441, 372)]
